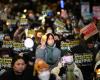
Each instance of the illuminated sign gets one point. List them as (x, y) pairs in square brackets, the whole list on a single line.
[(62, 4)]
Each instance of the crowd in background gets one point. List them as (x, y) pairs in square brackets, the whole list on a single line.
[(47, 25)]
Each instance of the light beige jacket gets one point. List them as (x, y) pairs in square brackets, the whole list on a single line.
[(77, 71)]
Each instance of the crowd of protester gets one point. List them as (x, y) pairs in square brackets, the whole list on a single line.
[(46, 60)]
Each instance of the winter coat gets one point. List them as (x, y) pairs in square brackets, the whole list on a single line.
[(97, 63), (50, 54), (10, 75), (58, 69), (97, 57)]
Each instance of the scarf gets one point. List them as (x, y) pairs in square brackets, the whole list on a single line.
[(49, 52)]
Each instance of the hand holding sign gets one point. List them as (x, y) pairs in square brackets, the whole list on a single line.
[(43, 41), (89, 30)]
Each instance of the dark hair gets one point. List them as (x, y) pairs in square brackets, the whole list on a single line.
[(69, 52), (4, 51), (98, 67), (17, 57), (57, 35), (49, 34)]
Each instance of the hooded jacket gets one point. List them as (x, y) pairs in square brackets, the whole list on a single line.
[(50, 54)]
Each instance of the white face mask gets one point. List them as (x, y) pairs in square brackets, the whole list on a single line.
[(44, 75), (67, 59)]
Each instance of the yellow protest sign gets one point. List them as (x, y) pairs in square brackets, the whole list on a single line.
[(5, 61), (18, 46), (84, 58), (13, 21), (23, 21), (59, 23), (7, 44), (65, 45), (31, 33)]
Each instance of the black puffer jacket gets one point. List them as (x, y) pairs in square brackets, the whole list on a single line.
[(9, 75)]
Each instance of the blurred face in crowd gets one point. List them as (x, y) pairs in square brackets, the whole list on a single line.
[(68, 21), (19, 66), (56, 37), (31, 15), (42, 69), (7, 38), (50, 40), (90, 45), (39, 34), (44, 74)]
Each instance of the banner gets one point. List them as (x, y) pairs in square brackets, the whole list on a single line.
[(83, 59), (5, 62), (59, 23), (18, 46), (31, 33), (65, 45), (96, 12), (89, 30), (3, 16), (60, 30), (7, 44), (13, 21), (23, 21)]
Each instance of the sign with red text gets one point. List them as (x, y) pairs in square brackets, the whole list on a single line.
[(89, 30)]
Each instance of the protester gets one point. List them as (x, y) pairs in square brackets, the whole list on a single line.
[(54, 30), (17, 71), (67, 69), (57, 40), (18, 35), (94, 51), (48, 51), (42, 71)]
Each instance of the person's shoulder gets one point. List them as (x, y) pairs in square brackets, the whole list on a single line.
[(6, 75), (35, 78), (10, 70), (57, 50), (52, 77)]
